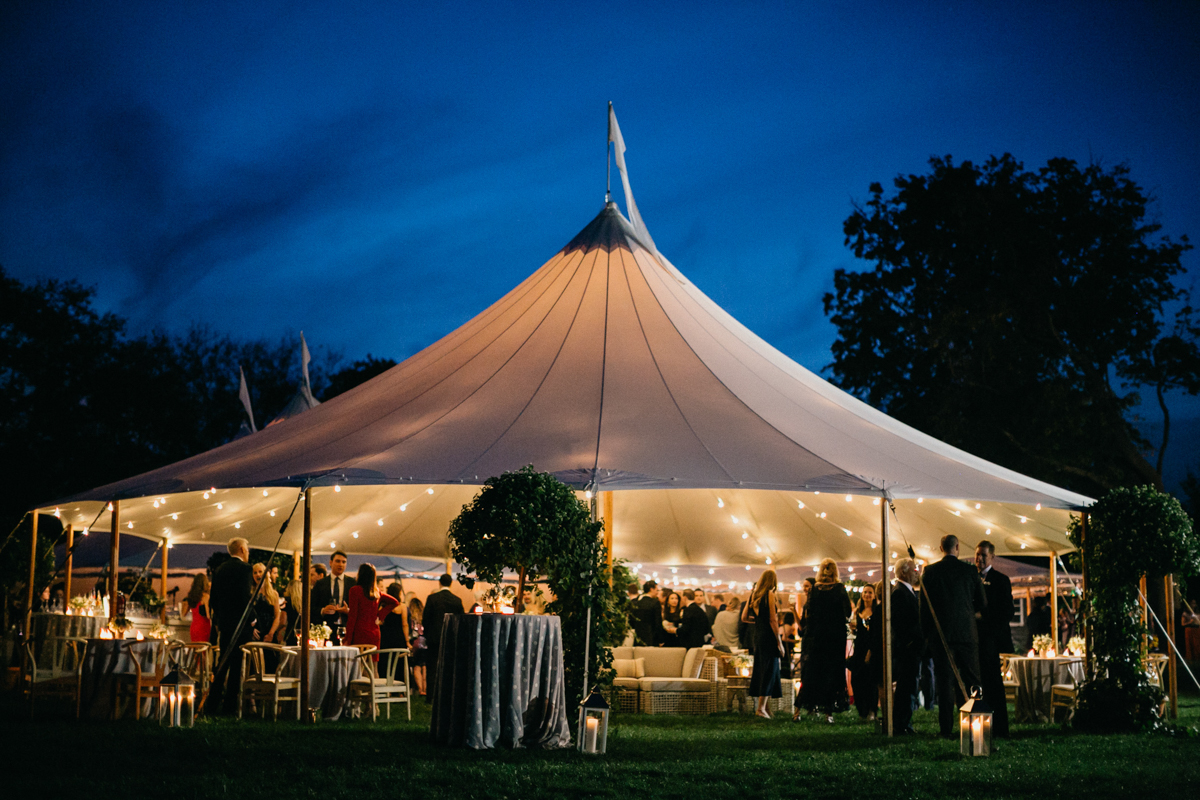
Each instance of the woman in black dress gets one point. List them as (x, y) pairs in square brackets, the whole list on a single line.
[(768, 651), (864, 663), (672, 616), (823, 648), (393, 631)]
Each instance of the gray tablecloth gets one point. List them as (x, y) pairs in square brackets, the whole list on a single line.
[(330, 670), (500, 681), (1034, 677), (53, 626), (106, 661)]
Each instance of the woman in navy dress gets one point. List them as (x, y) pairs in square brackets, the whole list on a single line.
[(823, 650), (768, 651)]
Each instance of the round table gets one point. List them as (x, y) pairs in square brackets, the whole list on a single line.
[(330, 670), (50, 626), (1034, 678), (109, 662), (500, 681)]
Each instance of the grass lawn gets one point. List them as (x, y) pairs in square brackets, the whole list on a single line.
[(648, 757)]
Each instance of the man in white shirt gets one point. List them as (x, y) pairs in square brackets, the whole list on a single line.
[(330, 595)]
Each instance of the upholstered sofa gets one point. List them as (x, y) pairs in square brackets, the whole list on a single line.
[(665, 680)]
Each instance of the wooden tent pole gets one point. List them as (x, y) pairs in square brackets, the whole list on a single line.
[(162, 585), (114, 553), (1087, 599), (305, 607), (889, 699), (1172, 663), (607, 498), (70, 557), (1054, 601), (32, 575)]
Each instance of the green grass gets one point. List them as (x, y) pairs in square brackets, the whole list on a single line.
[(648, 757)]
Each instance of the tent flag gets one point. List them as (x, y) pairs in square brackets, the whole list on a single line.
[(614, 136), (244, 396), (304, 359)]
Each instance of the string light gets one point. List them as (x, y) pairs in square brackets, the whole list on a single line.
[(205, 497), (747, 566), (745, 535), (720, 503), (130, 525), (337, 487), (875, 502), (237, 525), (155, 504), (712, 572), (404, 507), (800, 503), (822, 515), (757, 548), (1023, 520), (768, 560), (735, 519), (848, 498), (848, 532), (1038, 507), (379, 522), (988, 532), (272, 512), (355, 534), (873, 545), (429, 491), (920, 499), (978, 505), (175, 516)]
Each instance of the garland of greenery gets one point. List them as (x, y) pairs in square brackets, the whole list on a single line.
[(1132, 531), (531, 523)]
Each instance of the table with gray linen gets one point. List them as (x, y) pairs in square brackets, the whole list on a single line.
[(500, 681), (107, 662), (54, 627), (1034, 678), (330, 670)]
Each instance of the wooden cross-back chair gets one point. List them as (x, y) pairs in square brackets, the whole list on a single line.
[(374, 689), (259, 684), (141, 684), (59, 672)]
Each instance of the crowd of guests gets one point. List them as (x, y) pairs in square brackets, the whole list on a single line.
[(241, 604), (971, 603)]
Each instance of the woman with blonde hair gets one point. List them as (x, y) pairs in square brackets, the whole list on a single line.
[(823, 652), (768, 650)]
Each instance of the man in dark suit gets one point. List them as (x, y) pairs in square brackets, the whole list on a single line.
[(694, 628), (331, 595), (954, 598), (228, 599), (437, 606), (647, 616), (995, 636), (710, 611), (908, 646)]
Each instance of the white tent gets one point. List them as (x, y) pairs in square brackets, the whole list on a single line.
[(608, 368)]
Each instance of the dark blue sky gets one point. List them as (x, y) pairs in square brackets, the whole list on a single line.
[(377, 173)]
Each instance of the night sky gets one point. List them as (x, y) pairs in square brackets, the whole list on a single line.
[(377, 174)]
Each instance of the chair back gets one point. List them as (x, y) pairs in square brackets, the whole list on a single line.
[(391, 659), (135, 648), (62, 656), (255, 661), (1156, 664)]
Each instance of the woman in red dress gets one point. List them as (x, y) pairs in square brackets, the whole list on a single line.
[(368, 605), (197, 603)]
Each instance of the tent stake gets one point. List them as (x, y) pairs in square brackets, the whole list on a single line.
[(889, 698), (305, 606)]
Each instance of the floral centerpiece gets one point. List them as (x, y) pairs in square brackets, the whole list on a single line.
[(742, 664), (118, 625), (1042, 644), (1076, 646), (319, 632), (500, 597), (160, 631)]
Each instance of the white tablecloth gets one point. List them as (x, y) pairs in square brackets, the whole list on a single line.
[(107, 662), (330, 670)]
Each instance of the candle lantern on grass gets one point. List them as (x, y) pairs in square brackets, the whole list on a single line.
[(975, 726), (176, 700), (593, 724)]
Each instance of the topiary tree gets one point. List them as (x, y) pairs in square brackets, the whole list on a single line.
[(1132, 531), (531, 523)]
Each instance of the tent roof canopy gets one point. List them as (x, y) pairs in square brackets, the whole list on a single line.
[(609, 369)]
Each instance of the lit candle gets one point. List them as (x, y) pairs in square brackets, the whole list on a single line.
[(589, 738), (1050, 653), (977, 735)]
